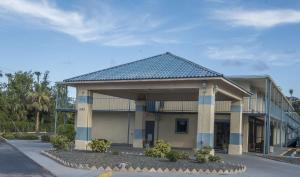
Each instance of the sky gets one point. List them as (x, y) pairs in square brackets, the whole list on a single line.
[(233, 37)]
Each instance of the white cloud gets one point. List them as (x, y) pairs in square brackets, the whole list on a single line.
[(259, 18), (108, 27), (182, 28), (230, 53), (255, 55)]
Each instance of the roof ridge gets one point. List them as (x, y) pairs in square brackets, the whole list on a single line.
[(195, 64)]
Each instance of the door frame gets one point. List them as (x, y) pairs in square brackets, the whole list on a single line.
[(152, 125)]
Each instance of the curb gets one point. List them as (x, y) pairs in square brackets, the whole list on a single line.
[(1, 137), (240, 168)]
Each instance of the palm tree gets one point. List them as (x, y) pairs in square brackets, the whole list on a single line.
[(291, 92), (39, 100), (38, 74)]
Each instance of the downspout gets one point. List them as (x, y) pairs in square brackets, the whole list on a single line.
[(265, 119), (128, 116), (282, 109), (269, 115)]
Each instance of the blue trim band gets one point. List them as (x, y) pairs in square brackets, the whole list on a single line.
[(140, 108), (206, 100), (235, 138), (205, 139), (85, 99), (138, 134), (83, 133), (236, 108)]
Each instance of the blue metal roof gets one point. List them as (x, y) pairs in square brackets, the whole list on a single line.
[(164, 66)]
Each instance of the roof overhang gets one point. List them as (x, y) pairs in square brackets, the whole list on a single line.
[(188, 86)]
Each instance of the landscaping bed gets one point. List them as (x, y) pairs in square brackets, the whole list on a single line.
[(109, 160)]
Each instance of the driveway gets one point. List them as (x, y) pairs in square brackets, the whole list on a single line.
[(13, 163), (256, 166)]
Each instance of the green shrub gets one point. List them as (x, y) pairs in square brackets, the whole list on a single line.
[(99, 145), (203, 154), (201, 158), (24, 126), (214, 158), (45, 138), (26, 136), (60, 142), (172, 156), (8, 135), (160, 149), (153, 153), (205, 150), (183, 155), (162, 146), (67, 130)]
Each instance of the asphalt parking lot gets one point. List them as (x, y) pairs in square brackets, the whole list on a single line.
[(13, 163)]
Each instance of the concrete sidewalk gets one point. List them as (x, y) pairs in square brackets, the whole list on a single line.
[(33, 148)]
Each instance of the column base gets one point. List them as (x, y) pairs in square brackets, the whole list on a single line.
[(82, 145), (235, 149)]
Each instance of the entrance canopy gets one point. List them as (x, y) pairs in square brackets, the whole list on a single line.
[(162, 77)]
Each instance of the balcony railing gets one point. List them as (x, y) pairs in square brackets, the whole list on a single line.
[(120, 104), (113, 104)]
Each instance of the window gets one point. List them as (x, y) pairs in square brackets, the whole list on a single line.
[(181, 126)]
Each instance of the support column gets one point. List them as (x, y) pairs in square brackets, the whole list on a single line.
[(235, 144), (84, 119), (138, 124), (206, 116), (245, 135)]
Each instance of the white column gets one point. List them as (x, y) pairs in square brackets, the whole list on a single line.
[(235, 144), (206, 117), (84, 119), (139, 124)]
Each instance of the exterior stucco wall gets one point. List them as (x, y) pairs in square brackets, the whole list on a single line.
[(112, 126), (167, 130)]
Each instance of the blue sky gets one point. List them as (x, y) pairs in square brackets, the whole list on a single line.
[(70, 38)]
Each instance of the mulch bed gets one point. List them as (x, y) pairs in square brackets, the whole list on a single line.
[(108, 159)]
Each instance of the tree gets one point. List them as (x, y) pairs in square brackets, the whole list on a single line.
[(18, 87), (39, 98), (291, 92)]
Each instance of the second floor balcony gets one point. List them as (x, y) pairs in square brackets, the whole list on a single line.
[(251, 106)]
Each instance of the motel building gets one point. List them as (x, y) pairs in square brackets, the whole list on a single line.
[(171, 98)]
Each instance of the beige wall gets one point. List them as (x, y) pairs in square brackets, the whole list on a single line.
[(167, 130), (112, 126)]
